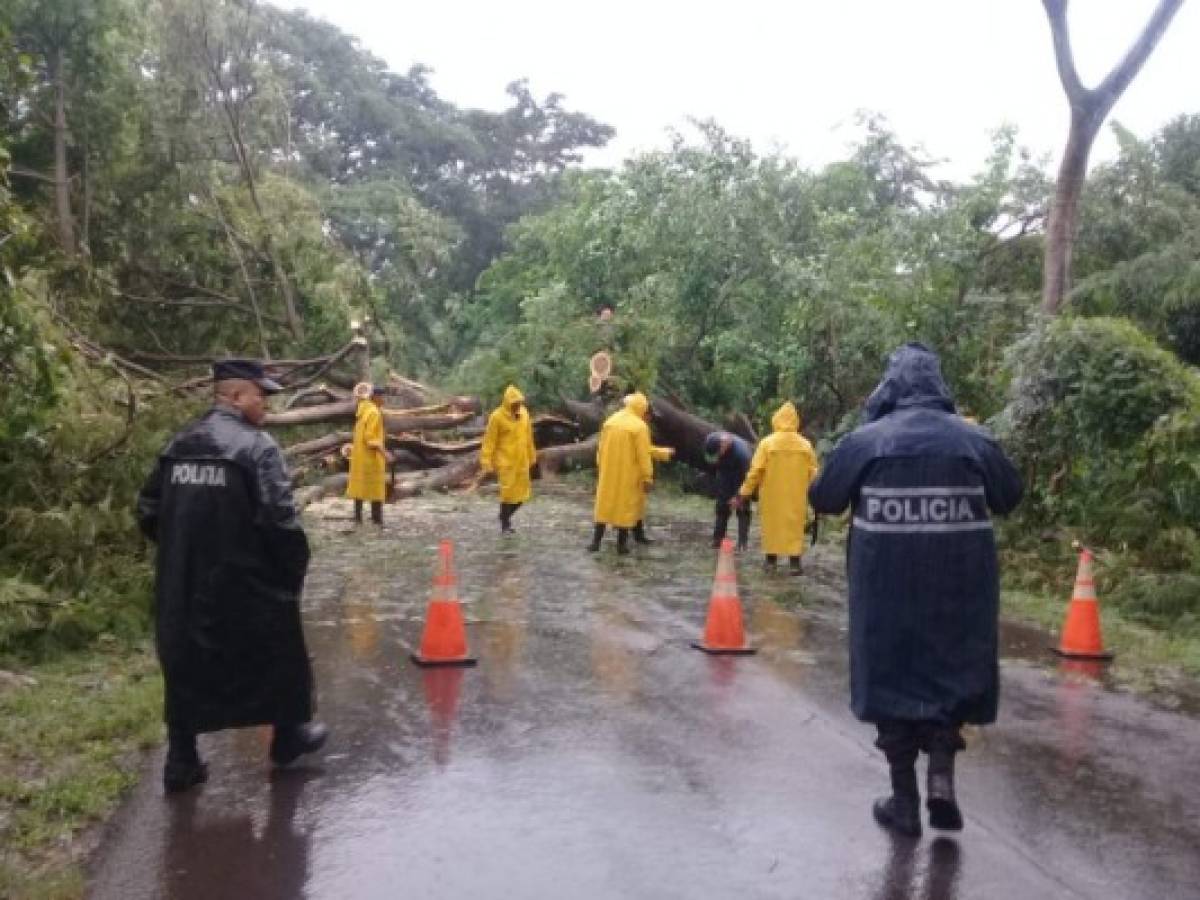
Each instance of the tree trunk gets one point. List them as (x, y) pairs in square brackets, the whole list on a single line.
[(345, 410), (1064, 214), (681, 430), (62, 181), (581, 455)]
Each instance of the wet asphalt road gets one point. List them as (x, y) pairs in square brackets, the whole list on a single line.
[(593, 754)]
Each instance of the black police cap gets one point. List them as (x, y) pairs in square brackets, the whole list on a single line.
[(245, 370)]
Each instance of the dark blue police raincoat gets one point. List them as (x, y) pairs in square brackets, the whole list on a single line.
[(924, 580), (231, 558)]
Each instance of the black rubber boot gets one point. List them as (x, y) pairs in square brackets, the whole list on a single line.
[(506, 514), (770, 563), (797, 567), (623, 541), (597, 537), (377, 512), (901, 812), (183, 769), (293, 741), (639, 534), (358, 506), (944, 813)]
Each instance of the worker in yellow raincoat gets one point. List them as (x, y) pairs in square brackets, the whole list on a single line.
[(509, 451), (369, 456), (625, 460), (783, 466)]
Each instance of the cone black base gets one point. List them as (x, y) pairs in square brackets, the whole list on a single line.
[(1105, 657), (465, 663), (721, 651)]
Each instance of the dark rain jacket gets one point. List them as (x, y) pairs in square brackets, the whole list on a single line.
[(732, 468), (230, 567), (924, 579)]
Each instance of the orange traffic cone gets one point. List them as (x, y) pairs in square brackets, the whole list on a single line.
[(1081, 631), (444, 642), (723, 633)]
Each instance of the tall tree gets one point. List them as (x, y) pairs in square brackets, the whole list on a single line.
[(67, 42), (1089, 108)]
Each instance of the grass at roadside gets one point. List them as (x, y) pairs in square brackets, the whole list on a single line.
[(70, 735), (1146, 658)]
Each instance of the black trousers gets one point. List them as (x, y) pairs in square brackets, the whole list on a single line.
[(721, 524), (902, 739), (506, 513), (376, 511)]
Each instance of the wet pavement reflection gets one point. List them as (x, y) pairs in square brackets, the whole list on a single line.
[(593, 754)]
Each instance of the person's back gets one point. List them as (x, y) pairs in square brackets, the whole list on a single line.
[(732, 465), (783, 466), (230, 566), (625, 471), (924, 579), (220, 477)]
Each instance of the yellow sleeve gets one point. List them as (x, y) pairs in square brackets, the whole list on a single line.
[(374, 431), (661, 454), (758, 465), (645, 458), (487, 453)]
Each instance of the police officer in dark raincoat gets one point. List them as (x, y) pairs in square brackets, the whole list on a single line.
[(231, 561), (730, 456), (924, 580)]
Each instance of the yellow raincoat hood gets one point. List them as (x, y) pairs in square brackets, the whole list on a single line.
[(512, 395), (637, 404), (786, 418)]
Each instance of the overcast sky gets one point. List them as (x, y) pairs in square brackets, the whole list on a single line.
[(787, 75)]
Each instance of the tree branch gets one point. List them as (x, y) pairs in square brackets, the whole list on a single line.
[(1060, 33), (1122, 76)]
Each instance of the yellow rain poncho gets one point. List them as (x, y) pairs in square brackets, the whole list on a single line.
[(508, 448), (784, 465), (368, 465), (625, 463)]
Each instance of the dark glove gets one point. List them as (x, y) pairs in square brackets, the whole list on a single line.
[(535, 471)]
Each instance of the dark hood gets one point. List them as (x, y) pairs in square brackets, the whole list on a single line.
[(913, 378)]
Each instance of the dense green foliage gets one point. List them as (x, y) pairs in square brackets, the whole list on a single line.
[(189, 178)]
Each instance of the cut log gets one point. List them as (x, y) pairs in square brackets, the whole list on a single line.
[(600, 366), (425, 448)]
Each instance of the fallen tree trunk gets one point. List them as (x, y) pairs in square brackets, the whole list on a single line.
[(588, 416), (344, 410), (554, 460), (681, 430), (318, 445)]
